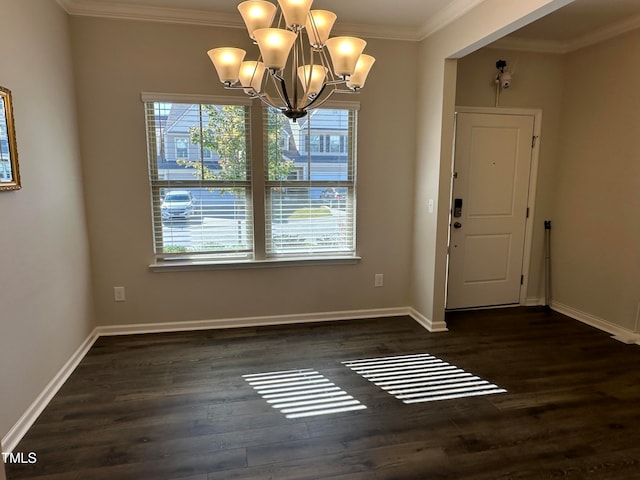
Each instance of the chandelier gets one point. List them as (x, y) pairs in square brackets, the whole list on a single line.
[(284, 53)]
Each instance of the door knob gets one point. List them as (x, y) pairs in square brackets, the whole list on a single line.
[(457, 225)]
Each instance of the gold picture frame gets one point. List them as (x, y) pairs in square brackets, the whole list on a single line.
[(9, 170)]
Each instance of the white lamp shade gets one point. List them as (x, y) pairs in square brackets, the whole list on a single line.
[(345, 52), (359, 76), (312, 78), (257, 14), (251, 75), (227, 61), (319, 25), (295, 12), (275, 45)]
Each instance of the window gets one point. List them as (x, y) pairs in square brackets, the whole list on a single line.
[(312, 212), (203, 207), (315, 142), (182, 147), (336, 144), (201, 210)]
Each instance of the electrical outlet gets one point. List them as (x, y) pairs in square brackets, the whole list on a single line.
[(118, 294), (379, 280)]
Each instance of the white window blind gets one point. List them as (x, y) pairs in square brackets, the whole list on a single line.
[(200, 176), (310, 183)]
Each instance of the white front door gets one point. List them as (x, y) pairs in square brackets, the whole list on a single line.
[(490, 193)]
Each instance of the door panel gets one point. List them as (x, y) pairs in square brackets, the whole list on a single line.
[(492, 165), (490, 254), (494, 195)]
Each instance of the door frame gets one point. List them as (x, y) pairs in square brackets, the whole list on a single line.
[(536, 113)]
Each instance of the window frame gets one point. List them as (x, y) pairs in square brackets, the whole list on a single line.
[(257, 185), (349, 183)]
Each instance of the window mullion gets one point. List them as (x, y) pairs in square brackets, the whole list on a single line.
[(259, 161)]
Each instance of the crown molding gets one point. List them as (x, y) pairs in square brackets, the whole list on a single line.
[(605, 33), (122, 11), (96, 8), (381, 32), (529, 45), (549, 46), (447, 15)]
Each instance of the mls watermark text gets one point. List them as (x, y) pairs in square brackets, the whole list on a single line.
[(20, 457)]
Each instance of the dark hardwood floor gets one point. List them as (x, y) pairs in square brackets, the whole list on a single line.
[(176, 406)]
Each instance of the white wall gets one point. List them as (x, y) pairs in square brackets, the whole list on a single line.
[(487, 22), (117, 60), (45, 284)]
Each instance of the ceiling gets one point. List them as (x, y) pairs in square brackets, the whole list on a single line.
[(577, 24)]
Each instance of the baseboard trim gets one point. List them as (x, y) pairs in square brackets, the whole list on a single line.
[(534, 302), (430, 325), (13, 437), (250, 321), (22, 426), (617, 332)]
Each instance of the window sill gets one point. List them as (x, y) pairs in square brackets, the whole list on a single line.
[(194, 265)]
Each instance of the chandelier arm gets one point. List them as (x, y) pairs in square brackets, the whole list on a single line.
[(294, 70), (283, 90), (314, 28), (348, 92), (268, 101), (263, 97), (337, 82), (317, 97), (275, 78), (320, 102), (307, 82), (325, 63)]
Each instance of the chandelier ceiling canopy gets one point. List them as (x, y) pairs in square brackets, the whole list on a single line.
[(284, 52)]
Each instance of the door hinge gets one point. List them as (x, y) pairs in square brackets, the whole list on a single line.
[(533, 141), (455, 175), (527, 213), (521, 279)]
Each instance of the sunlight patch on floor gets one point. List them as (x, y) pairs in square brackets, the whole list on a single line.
[(421, 378), (302, 393)]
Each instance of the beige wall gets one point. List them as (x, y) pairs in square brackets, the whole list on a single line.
[(538, 84), (45, 284), (596, 232), (117, 60), (487, 22)]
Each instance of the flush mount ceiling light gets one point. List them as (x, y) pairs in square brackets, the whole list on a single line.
[(284, 52)]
